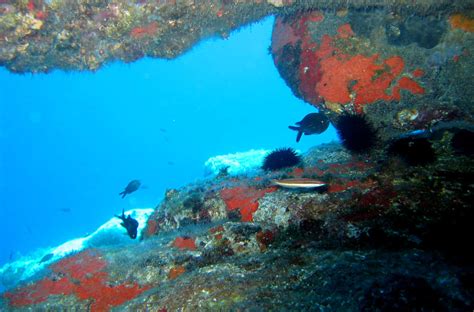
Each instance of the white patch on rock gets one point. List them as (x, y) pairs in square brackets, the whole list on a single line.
[(237, 163), (277, 3), (109, 234)]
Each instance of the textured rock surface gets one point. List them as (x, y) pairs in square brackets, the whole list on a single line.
[(385, 233), (405, 72), (382, 234), (39, 35)]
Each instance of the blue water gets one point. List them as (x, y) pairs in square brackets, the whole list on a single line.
[(70, 142)]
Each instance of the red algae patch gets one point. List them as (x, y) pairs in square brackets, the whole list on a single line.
[(245, 199), (176, 272), (331, 74), (217, 232), (343, 78), (418, 73), (104, 296), (409, 85), (80, 265), (460, 21), (345, 31), (264, 239), (39, 292), (349, 184), (370, 80), (144, 31), (297, 172), (83, 275), (185, 243), (284, 34), (151, 227)]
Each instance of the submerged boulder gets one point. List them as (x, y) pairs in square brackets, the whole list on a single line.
[(239, 243), (403, 71), (40, 36)]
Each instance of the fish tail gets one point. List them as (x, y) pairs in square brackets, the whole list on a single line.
[(123, 194), (300, 133), (122, 217), (298, 137)]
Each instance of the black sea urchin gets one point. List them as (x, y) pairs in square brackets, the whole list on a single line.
[(463, 142), (281, 158), (355, 133), (414, 151)]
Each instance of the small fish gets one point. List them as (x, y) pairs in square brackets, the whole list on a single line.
[(303, 183), (65, 209), (130, 188), (223, 172), (130, 224), (314, 123)]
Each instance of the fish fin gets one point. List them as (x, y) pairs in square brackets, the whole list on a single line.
[(298, 137), (294, 128), (122, 217)]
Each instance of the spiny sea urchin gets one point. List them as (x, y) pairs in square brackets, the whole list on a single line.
[(355, 133), (414, 151), (281, 158), (462, 142)]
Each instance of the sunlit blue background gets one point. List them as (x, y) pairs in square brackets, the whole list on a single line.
[(70, 142)]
